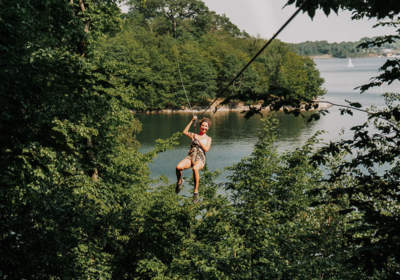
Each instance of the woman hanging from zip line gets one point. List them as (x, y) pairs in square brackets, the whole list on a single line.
[(196, 158)]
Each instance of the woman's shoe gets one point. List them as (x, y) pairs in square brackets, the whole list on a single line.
[(195, 197), (179, 185)]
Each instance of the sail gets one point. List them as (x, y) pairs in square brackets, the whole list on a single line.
[(350, 64)]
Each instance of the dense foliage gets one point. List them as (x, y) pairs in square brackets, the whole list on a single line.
[(76, 201), (371, 164), (167, 47), (66, 126)]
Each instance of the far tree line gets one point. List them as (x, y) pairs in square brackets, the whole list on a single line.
[(343, 49), (171, 52)]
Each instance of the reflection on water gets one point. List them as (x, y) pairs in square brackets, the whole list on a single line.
[(342, 81), (234, 136), (226, 128)]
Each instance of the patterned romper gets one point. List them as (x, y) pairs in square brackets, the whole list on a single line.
[(196, 153)]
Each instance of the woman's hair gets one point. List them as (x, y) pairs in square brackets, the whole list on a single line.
[(207, 120)]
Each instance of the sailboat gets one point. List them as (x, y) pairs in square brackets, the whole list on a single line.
[(350, 64)]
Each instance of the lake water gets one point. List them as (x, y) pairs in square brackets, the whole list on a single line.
[(234, 136)]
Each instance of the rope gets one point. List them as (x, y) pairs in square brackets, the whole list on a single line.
[(254, 57), (183, 86), (180, 77), (358, 109)]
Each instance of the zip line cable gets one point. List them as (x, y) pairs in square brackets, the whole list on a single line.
[(255, 56)]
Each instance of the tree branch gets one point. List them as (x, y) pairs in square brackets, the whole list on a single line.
[(358, 109)]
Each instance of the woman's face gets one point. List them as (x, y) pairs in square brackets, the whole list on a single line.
[(203, 127)]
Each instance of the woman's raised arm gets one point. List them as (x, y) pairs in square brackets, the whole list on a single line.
[(186, 130)]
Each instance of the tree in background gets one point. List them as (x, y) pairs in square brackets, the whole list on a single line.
[(166, 37)]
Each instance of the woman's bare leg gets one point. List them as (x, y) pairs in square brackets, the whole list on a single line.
[(196, 168), (182, 165)]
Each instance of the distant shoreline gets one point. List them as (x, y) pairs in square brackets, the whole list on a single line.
[(328, 56), (235, 107), (324, 56)]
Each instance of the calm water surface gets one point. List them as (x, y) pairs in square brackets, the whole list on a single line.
[(234, 137)]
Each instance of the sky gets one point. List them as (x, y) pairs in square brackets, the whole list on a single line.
[(263, 18)]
